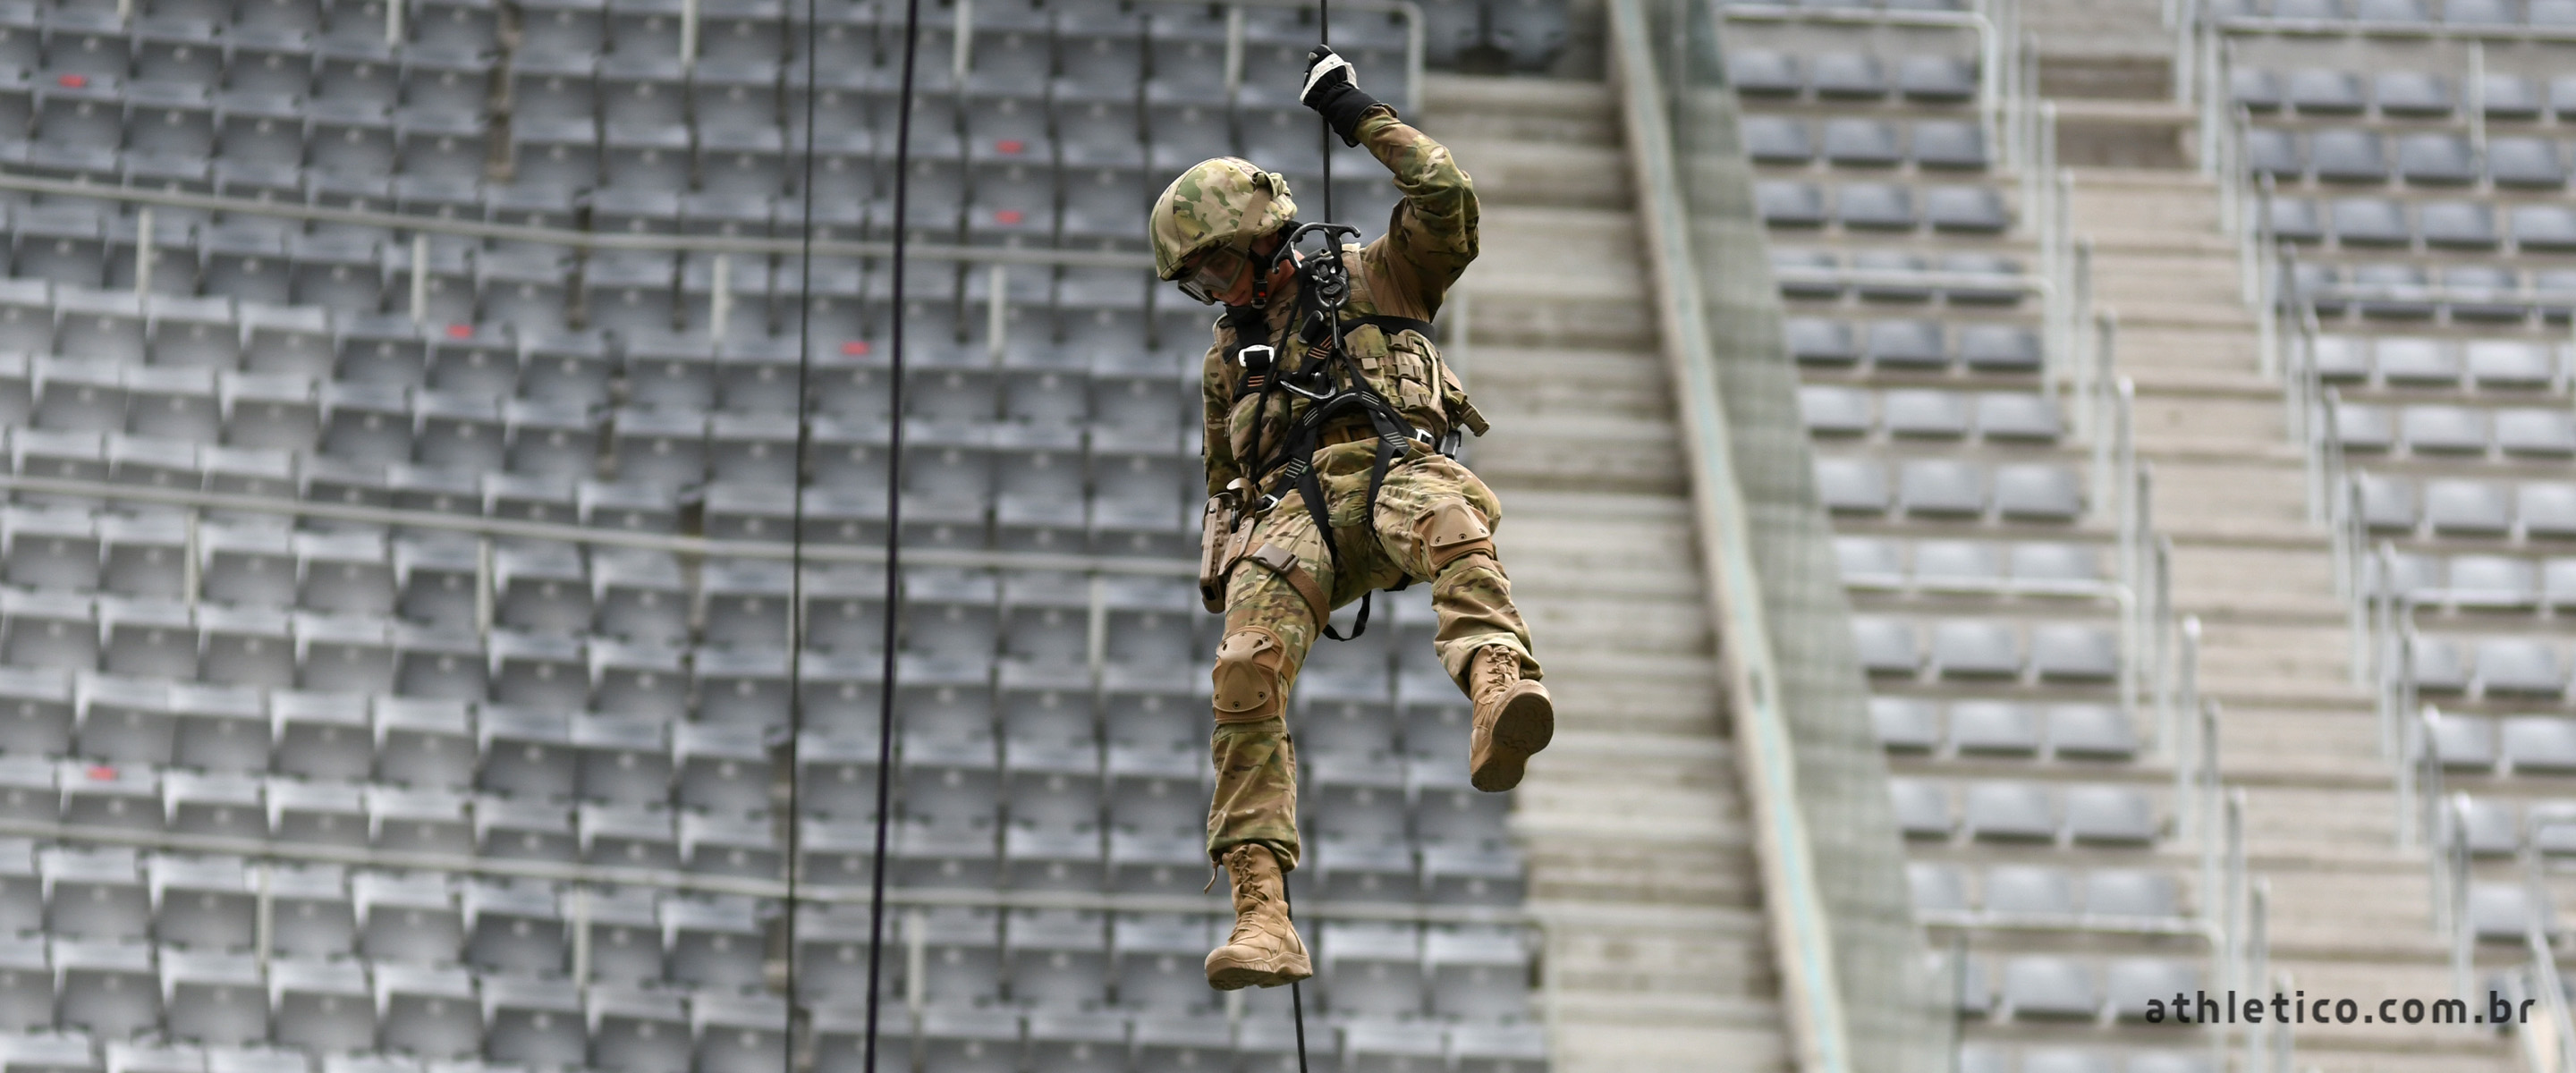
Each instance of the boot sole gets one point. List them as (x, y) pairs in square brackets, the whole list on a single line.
[(1524, 727), (1238, 977)]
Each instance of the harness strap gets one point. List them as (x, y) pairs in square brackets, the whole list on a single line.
[(1282, 562)]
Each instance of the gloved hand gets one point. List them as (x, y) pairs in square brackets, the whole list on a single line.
[(1332, 90)]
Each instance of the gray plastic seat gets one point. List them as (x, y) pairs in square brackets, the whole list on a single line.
[(2444, 429), (2510, 363), (2491, 581), (2091, 731), (1973, 648), (2437, 665), (2038, 492), (2274, 152), (1998, 348), (2517, 666), (1949, 144), (2461, 507), (2049, 986), (1907, 344), (1886, 646), (1777, 140), (2537, 743), (2457, 225), (2295, 219), (2030, 890), (2009, 811), (2465, 742), (1835, 411), (2074, 652), (1870, 562), (1765, 73), (2413, 94), (2504, 912), (1943, 79), (2324, 92), (2254, 88), (1876, 206), (1976, 209), (1937, 887), (2130, 893), (2487, 826), (2416, 361), (2546, 509), (2349, 156), (1933, 414), (2544, 228), (1852, 142), (1922, 807), (1784, 203), (1971, 565), (2136, 983), (1941, 487), (2110, 815), (1905, 724), (1847, 75), (2526, 163), (1852, 485), (2017, 415), (1814, 341), (1995, 728), (2370, 221)]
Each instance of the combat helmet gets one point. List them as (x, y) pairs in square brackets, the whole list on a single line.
[(1217, 202)]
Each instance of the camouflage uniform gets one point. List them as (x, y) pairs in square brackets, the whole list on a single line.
[(1433, 518)]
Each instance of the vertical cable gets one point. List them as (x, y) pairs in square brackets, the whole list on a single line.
[(1332, 248), (894, 513), (1324, 33), (796, 536)]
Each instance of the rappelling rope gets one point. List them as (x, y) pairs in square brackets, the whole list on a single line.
[(1297, 990)]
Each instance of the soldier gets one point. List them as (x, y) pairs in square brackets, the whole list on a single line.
[(1327, 481)]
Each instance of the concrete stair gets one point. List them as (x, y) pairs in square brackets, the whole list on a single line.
[(2351, 914), (1640, 867)]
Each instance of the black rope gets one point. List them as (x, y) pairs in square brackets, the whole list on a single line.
[(796, 540), (1333, 248), (894, 507)]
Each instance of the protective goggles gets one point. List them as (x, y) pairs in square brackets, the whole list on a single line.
[(1214, 271)]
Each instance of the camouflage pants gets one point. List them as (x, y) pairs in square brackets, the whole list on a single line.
[(1432, 524)]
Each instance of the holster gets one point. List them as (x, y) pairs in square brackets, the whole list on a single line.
[(1223, 528)]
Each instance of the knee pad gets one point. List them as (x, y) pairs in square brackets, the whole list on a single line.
[(1248, 689), (1453, 529)]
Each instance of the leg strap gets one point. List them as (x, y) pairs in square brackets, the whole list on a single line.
[(1284, 563)]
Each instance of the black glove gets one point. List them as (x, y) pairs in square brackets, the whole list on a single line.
[(1332, 91)]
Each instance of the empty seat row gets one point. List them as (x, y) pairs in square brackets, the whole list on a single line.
[(1931, 414), (2050, 568), (1922, 78), (1984, 728), (2417, 362), (2479, 581), (1987, 648), (1940, 488), (2057, 987), (2456, 507), (1912, 344), (2395, 94), (1862, 142), (2462, 292), (2084, 814), (2457, 432), (2539, 745), (2496, 668), (2102, 895), (2393, 14), (1882, 207), (1962, 279), (2428, 159), (2491, 826), (2378, 222), (1991, 1058)]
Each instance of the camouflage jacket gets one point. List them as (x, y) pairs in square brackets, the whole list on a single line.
[(1430, 238)]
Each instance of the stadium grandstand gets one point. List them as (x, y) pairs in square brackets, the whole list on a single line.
[(659, 536)]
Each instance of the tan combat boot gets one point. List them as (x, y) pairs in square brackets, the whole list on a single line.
[(1264, 950), (1514, 718)]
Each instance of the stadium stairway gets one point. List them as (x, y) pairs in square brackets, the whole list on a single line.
[(1640, 866), (2351, 913)]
